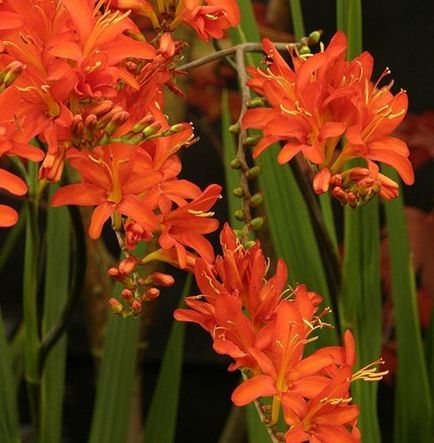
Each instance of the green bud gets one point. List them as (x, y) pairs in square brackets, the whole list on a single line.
[(257, 223), (235, 128), (238, 192), (254, 172), (256, 199), (252, 140), (235, 163), (257, 102), (315, 36), (152, 129), (304, 50), (239, 214), (249, 244)]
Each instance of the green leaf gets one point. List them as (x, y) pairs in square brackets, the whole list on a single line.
[(160, 425), (256, 429), (329, 221), (110, 421), (14, 234), (413, 407), (291, 230), (297, 19), (360, 304), (9, 427), (232, 179), (56, 294)]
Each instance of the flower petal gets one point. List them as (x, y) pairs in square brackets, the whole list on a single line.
[(253, 388)]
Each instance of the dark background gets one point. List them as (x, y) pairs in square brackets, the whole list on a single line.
[(400, 35)]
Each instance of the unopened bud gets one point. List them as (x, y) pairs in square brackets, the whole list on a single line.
[(257, 223), (136, 307), (234, 129), (254, 172), (304, 50), (256, 199), (100, 108), (113, 272), (238, 192), (135, 35), (239, 214), (160, 279), (128, 265), (252, 140), (235, 163), (152, 129), (116, 122), (151, 293), (127, 295), (91, 123), (11, 72), (115, 306), (143, 123), (257, 102), (249, 244), (315, 36)]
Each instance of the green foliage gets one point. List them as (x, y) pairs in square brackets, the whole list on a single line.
[(160, 425), (413, 404), (55, 297)]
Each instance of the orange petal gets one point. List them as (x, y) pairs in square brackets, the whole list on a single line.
[(83, 194), (253, 388), (12, 183), (99, 216), (8, 216)]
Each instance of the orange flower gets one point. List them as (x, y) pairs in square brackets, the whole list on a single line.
[(185, 226), (211, 19), (109, 183), (329, 416), (285, 374), (322, 99)]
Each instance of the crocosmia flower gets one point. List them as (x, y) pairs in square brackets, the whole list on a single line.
[(329, 110)]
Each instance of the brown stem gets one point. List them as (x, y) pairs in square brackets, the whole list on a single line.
[(243, 48)]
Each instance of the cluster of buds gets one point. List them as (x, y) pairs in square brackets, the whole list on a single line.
[(356, 186), (137, 289)]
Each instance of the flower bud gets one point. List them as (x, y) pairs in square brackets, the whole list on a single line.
[(257, 102), (238, 192), (234, 129), (128, 265), (315, 36), (152, 129), (127, 295), (151, 293), (252, 140), (239, 214), (304, 50), (256, 199), (143, 123), (257, 223), (249, 244), (254, 172), (115, 306), (136, 307), (235, 163), (160, 279)]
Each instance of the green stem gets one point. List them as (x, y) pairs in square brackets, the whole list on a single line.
[(297, 18)]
